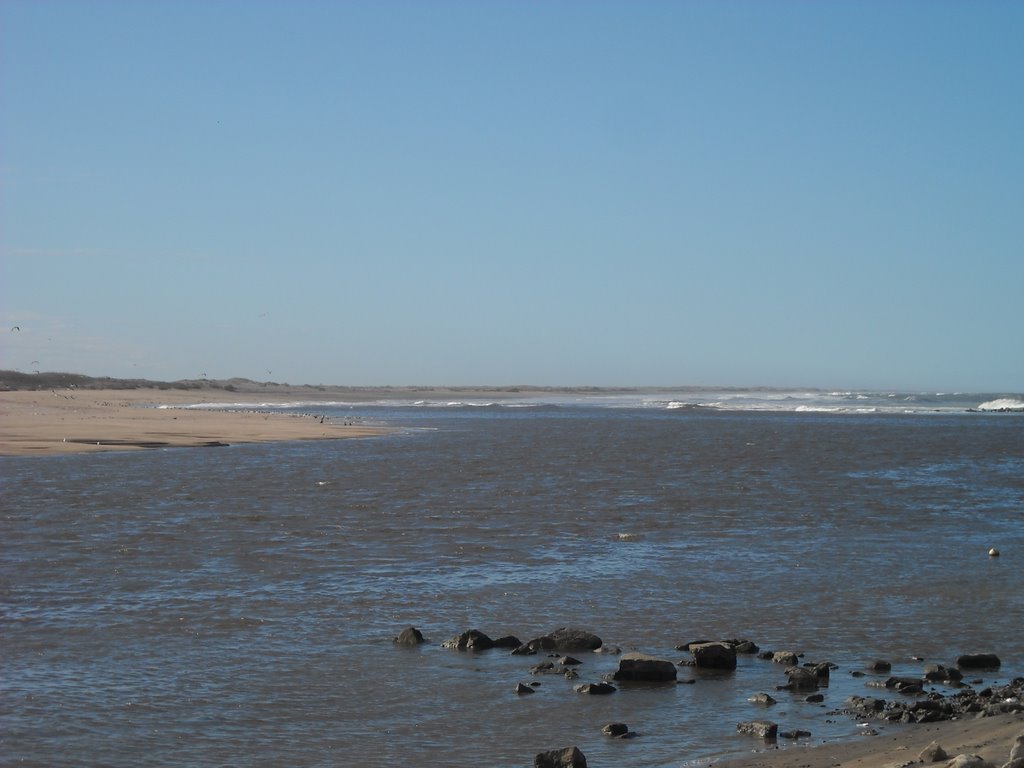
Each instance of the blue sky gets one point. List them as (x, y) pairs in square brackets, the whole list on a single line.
[(556, 193)]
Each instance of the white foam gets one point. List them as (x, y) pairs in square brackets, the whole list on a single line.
[(1002, 404)]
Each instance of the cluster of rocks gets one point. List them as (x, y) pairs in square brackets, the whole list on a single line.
[(932, 706), (807, 677), (572, 757)]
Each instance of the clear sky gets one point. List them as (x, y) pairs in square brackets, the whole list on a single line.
[(605, 193)]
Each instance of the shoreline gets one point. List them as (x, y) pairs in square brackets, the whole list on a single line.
[(990, 737), (69, 421)]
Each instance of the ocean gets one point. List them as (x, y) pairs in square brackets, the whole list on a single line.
[(236, 606)]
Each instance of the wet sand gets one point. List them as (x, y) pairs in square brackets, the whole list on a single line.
[(990, 737), (62, 421)]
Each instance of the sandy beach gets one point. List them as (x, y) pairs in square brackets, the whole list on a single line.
[(991, 738), (62, 421)]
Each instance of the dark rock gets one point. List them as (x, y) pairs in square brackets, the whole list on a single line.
[(641, 668), (563, 640), (523, 689), (864, 704), (569, 640), (978, 661), (569, 661), (907, 685), (797, 734), (939, 673), (472, 640), (616, 730), (740, 645), (762, 729), (802, 679), (821, 670), (409, 636), (714, 655), (762, 698), (570, 757), (815, 698), (879, 665), (508, 641), (596, 689)]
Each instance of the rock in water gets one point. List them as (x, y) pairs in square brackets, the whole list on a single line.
[(596, 689), (472, 640), (570, 757), (762, 729), (615, 730), (978, 661), (802, 679), (563, 640), (409, 636), (714, 655), (507, 641), (641, 668)]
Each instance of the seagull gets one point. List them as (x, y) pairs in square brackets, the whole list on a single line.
[(15, 328)]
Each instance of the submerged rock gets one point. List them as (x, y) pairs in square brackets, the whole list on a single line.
[(596, 689), (409, 636), (797, 734), (570, 757), (507, 641), (616, 730)]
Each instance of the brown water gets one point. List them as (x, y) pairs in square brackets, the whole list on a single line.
[(235, 606)]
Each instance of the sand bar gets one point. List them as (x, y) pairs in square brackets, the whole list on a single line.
[(991, 738), (62, 421)]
